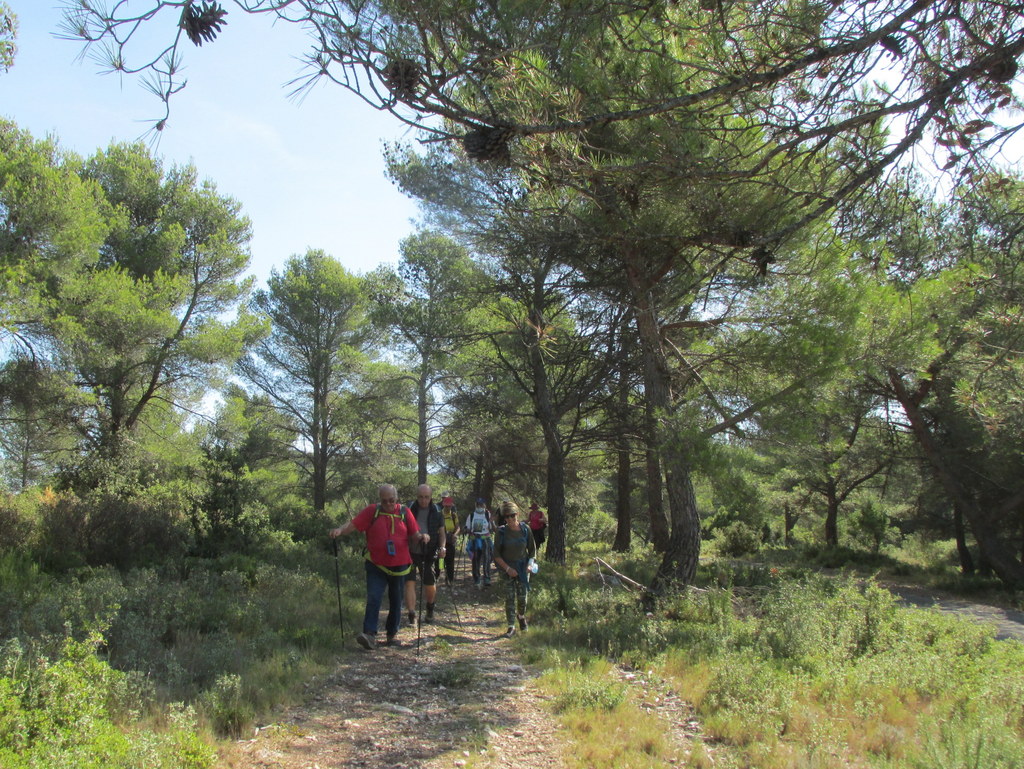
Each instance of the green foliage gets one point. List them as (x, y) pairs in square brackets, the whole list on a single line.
[(104, 528), (74, 710), (747, 700), (18, 520), (586, 687), (872, 523), (227, 705), (824, 623), (738, 539)]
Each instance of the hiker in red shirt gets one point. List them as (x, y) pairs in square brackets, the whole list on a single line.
[(388, 527)]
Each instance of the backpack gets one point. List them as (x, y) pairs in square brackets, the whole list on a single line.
[(399, 515)]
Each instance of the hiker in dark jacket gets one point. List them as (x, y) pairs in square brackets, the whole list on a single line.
[(514, 548), (389, 527), (428, 516)]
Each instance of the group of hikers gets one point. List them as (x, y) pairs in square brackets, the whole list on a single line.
[(414, 542)]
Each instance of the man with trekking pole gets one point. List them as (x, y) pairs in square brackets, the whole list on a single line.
[(389, 529), (429, 519)]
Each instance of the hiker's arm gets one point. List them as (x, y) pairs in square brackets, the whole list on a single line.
[(348, 528), (501, 564)]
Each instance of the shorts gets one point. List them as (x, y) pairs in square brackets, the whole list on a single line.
[(423, 564)]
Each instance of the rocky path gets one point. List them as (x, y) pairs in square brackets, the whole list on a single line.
[(459, 697)]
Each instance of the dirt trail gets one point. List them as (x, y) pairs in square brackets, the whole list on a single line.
[(1009, 623), (461, 698)]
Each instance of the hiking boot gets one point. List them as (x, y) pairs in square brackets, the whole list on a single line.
[(476, 582), (522, 623), (366, 641), (511, 631), (392, 641), (412, 618), (430, 613)]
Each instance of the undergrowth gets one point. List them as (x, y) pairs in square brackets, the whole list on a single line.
[(149, 667), (784, 669)]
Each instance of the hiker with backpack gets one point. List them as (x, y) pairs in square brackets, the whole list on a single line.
[(451, 532), (389, 527), (514, 551), (538, 525), (428, 517), (478, 528)]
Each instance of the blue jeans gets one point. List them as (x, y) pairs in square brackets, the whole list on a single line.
[(377, 581)]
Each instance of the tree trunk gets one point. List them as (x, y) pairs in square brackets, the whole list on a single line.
[(555, 547), (655, 489), (679, 563), (964, 552), (423, 433), (789, 522), (831, 515), (319, 433), (993, 549), (623, 489)]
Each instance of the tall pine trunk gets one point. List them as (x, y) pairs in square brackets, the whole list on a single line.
[(679, 562)]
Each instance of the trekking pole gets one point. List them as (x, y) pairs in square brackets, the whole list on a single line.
[(419, 613), (455, 605), (337, 581)]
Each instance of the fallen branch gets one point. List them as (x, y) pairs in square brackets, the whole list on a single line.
[(625, 581)]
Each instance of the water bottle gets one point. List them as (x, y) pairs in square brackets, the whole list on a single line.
[(532, 566)]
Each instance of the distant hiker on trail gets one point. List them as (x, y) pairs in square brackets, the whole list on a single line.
[(538, 525), (514, 549), (428, 517), (388, 527), (451, 532), (478, 529)]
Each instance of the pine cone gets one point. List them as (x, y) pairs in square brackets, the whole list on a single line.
[(403, 78), (488, 143), (1003, 71), (200, 25)]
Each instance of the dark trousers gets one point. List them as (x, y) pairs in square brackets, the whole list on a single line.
[(378, 581), (449, 563)]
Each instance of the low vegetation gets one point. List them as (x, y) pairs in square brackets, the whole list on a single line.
[(783, 668), (792, 660)]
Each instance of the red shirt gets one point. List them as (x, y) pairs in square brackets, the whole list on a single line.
[(396, 527), (537, 520)]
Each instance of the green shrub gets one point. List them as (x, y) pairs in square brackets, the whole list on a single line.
[(73, 711), (824, 622), (102, 528), (18, 517), (586, 687), (747, 699), (738, 539), (226, 705)]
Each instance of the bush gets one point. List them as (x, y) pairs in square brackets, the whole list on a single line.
[(738, 539), (101, 529), (73, 710), (820, 623), (17, 523)]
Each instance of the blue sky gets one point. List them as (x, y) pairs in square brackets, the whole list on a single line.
[(308, 173)]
